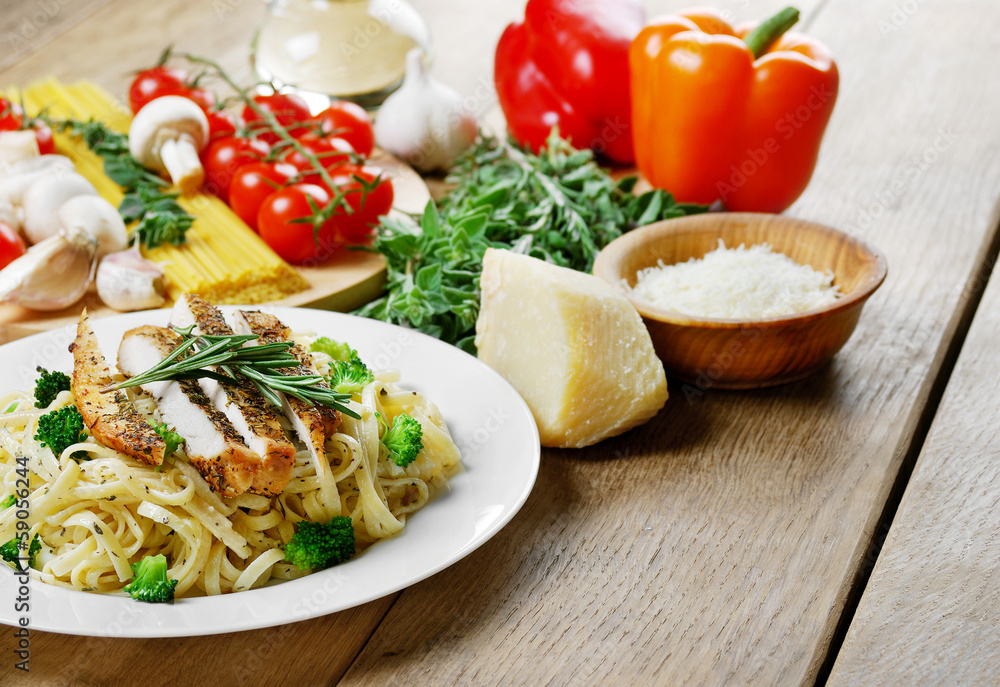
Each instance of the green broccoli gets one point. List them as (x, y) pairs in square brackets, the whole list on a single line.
[(149, 580), (8, 502), (404, 440), (48, 386), (334, 349), (172, 439), (61, 428), (315, 545), (11, 551), (349, 377)]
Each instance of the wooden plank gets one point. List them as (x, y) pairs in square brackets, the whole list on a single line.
[(312, 652), (929, 613), (30, 26), (719, 543)]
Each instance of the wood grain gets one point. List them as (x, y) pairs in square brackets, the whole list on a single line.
[(719, 543), (929, 615)]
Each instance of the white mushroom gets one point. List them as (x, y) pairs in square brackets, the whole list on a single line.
[(18, 145), (166, 135), (43, 199), (97, 217), (15, 180)]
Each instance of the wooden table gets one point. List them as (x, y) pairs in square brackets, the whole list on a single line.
[(732, 539)]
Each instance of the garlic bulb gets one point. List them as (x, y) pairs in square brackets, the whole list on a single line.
[(53, 274), (424, 122), (127, 281)]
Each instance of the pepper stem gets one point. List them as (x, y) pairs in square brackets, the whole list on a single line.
[(770, 30)]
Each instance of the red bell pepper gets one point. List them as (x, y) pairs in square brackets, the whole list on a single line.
[(566, 65), (730, 114)]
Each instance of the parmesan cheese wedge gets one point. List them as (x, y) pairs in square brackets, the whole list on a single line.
[(575, 349)]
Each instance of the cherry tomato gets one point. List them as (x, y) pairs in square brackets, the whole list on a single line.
[(156, 82), (11, 245), (221, 123), (366, 206), (279, 223), (254, 182), (330, 151), (350, 122), (12, 119), (223, 156), (11, 116), (287, 108)]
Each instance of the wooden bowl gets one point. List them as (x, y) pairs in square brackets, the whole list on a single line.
[(730, 354)]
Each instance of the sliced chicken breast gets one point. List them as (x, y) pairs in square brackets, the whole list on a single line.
[(213, 445), (307, 419), (110, 417), (253, 416)]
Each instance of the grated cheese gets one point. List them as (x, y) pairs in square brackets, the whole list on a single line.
[(741, 283)]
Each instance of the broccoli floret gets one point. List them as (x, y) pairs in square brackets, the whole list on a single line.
[(11, 550), (315, 545), (48, 386), (7, 502), (334, 349), (60, 429), (149, 580), (404, 440), (349, 377), (172, 439)]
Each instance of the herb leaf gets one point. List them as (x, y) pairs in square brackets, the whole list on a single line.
[(559, 206), (160, 217)]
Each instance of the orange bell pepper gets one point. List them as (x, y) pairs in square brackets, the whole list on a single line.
[(730, 115)]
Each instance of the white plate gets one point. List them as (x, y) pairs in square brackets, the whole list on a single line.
[(488, 419)]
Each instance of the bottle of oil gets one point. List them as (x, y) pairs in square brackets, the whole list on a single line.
[(338, 49)]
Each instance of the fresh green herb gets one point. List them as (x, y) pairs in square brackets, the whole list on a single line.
[(559, 206), (160, 217), (60, 429), (8, 502), (404, 440), (149, 580), (48, 385), (334, 349), (172, 439), (317, 545), (11, 552), (196, 355), (11, 408)]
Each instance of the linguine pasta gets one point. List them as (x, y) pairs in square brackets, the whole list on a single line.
[(98, 514)]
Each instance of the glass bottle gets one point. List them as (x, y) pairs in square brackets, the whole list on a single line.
[(338, 49)]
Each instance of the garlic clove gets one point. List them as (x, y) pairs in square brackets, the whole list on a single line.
[(425, 122), (97, 217), (127, 281), (15, 180), (18, 145), (53, 274)]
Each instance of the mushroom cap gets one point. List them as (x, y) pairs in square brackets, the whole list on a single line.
[(45, 196), (169, 117)]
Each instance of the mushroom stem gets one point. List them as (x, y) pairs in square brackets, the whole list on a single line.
[(180, 157)]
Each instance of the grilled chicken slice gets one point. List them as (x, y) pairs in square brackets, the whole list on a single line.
[(254, 417), (311, 424), (213, 445), (110, 417)]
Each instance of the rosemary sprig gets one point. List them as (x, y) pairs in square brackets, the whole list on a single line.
[(224, 357)]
